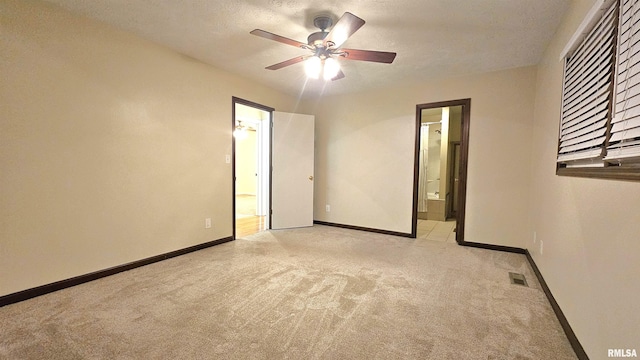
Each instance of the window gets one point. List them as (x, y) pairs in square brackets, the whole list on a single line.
[(600, 116)]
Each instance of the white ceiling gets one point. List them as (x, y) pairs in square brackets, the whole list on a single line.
[(433, 38)]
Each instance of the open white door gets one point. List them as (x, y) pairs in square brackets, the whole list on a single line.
[(292, 174)]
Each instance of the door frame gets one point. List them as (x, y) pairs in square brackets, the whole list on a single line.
[(455, 145), (270, 110), (464, 156)]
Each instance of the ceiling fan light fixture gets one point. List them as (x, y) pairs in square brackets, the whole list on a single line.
[(240, 131), (331, 68), (326, 47), (313, 67)]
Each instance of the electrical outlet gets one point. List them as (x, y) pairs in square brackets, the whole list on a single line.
[(328, 208), (541, 247), (207, 223), (535, 237)]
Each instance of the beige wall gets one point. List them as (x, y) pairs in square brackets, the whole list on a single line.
[(590, 228), (112, 148), (365, 154), (246, 164)]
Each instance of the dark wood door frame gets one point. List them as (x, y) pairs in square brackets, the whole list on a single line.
[(464, 156), (270, 110)]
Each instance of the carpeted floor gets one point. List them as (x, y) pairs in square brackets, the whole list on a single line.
[(312, 293)]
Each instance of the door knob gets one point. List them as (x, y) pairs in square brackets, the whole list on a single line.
[(311, 178)]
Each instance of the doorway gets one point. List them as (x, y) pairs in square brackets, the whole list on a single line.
[(272, 168), (441, 152), (251, 167)]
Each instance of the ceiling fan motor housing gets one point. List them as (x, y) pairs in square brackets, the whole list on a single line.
[(317, 38), (322, 22)]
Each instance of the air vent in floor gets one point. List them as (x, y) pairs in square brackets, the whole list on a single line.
[(518, 279)]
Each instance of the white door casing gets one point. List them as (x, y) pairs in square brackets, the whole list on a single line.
[(292, 174)]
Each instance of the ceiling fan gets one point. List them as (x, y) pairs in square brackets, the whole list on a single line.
[(325, 47)]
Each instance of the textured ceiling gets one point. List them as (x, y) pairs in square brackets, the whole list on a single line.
[(433, 38)]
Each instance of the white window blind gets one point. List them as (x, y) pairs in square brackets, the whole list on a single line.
[(624, 143), (587, 94)]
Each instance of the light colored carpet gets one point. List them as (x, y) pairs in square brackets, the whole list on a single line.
[(312, 293)]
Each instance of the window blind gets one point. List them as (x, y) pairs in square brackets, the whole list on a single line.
[(624, 143), (587, 94)]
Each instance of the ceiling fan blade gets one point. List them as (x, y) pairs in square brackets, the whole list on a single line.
[(369, 55), (295, 60), (339, 76), (278, 38), (345, 27)]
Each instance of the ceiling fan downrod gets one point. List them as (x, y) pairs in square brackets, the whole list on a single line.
[(316, 39)]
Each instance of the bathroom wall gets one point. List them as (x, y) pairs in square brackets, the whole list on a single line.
[(455, 123), (434, 144), (454, 135)]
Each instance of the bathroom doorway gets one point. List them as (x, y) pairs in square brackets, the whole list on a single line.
[(440, 170)]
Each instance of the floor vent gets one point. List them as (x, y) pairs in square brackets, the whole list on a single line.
[(518, 279)]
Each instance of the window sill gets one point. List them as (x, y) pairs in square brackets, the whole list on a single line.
[(610, 173)]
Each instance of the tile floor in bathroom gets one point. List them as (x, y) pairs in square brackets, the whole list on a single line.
[(437, 230)]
